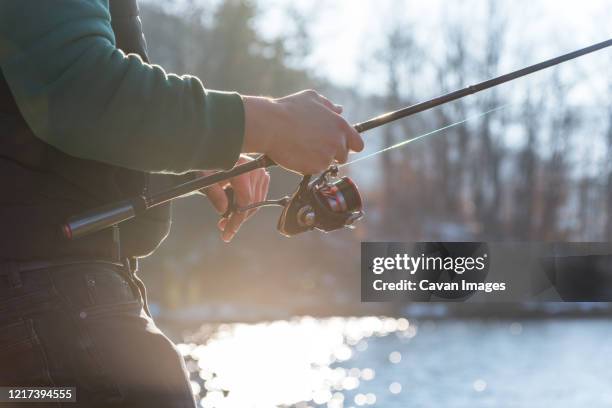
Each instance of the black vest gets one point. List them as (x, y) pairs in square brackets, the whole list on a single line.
[(40, 187)]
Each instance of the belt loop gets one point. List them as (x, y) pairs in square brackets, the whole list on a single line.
[(131, 267), (130, 264), (133, 264), (14, 274)]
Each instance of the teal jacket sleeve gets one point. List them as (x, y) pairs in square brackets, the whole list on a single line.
[(82, 95)]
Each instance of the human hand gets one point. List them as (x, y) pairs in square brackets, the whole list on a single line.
[(303, 132), (249, 188)]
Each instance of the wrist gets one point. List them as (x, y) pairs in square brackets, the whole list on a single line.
[(259, 114)]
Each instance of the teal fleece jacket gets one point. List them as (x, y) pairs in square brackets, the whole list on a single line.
[(82, 95)]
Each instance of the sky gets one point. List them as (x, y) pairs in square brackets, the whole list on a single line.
[(346, 35), (346, 32)]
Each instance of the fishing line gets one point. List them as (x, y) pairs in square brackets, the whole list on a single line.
[(405, 142)]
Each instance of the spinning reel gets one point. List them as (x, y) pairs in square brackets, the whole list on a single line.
[(326, 204)]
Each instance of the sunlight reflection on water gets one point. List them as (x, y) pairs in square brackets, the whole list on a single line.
[(387, 362), (285, 362)]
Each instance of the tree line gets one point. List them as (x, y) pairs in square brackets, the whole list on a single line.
[(529, 171)]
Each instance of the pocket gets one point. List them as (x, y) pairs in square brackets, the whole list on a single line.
[(130, 310), (22, 360), (89, 285), (106, 287)]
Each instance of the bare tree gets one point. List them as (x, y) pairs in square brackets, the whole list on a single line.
[(608, 229), (556, 177), (397, 57), (486, 173), (527, 170), (452, 151)]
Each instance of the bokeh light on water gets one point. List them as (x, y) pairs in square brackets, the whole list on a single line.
[(387, 362), (286, 362)]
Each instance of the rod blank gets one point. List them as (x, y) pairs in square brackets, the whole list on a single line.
[(472, 89)]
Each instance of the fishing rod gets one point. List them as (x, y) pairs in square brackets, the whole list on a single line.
[(328, 203)]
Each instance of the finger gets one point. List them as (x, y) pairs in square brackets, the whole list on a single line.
[(354, 141), (265, 187), (261, 188), (232, 226), (329, 104), (253, 188), (342, 153), (242, 189), (243, 193), (221, 224), (256, 180), (216, 195)]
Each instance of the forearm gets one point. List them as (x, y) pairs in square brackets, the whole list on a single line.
[(88, 99), (259, 112)]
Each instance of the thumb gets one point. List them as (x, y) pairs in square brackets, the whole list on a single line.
[(217, 197)]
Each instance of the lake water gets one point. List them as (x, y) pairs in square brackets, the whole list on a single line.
[(387, 362)]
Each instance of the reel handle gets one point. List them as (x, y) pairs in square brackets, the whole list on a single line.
[(231, 202)]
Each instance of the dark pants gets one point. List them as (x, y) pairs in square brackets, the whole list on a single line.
[(84, 325)]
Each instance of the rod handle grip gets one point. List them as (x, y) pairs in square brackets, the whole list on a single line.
[(102, 217)]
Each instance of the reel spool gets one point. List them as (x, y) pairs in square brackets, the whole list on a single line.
[(327, 204)]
